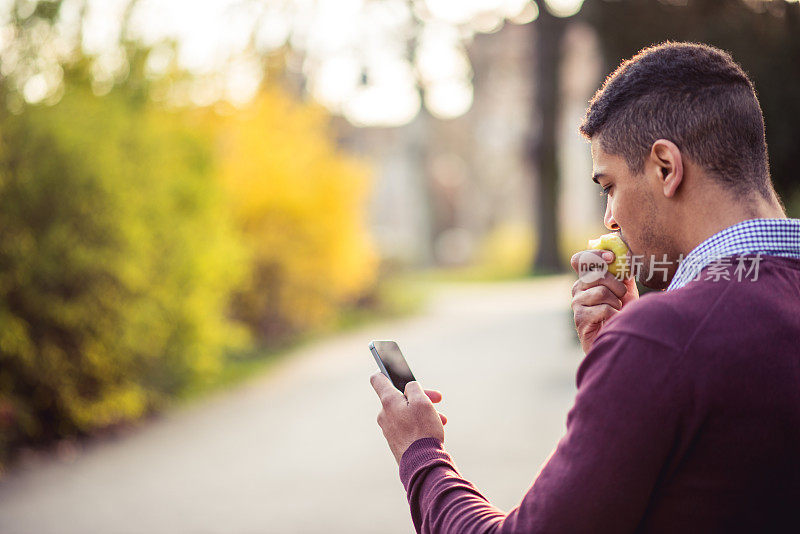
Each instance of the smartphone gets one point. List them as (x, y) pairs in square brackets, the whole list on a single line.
[(392, 363)]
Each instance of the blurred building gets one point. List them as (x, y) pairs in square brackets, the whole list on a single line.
[(445, 187)]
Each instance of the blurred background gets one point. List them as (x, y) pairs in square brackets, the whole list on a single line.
[(208, 208)]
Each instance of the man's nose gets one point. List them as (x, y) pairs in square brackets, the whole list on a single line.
[(608, 219)]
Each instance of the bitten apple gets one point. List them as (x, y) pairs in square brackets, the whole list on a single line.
[(620, 266)]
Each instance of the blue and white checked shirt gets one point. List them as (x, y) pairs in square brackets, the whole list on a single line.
[(769, 237)]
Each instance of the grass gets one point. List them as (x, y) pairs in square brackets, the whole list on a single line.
[(238, 367), (396, 297)]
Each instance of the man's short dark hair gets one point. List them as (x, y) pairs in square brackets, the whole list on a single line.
[(692, 94)]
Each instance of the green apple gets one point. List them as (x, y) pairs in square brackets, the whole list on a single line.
[(612, 242)]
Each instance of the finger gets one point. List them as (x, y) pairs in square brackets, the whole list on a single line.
[(443, 418), (607, 256), (632, 292), (384, 388), (608, 280), (594, 296), (433, 395), (597, 314), (415, 393)]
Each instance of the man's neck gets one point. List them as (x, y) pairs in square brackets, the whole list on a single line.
[(728, 212)]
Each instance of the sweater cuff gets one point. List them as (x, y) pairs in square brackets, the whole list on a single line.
[(423, 452)]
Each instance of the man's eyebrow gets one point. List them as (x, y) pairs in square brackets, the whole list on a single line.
[(596, 176)]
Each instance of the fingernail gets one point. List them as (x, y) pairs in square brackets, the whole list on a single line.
[(608, 256)]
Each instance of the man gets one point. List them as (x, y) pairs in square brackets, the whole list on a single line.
[(687, 414)]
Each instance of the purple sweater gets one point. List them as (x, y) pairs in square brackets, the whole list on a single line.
[(686, 419)]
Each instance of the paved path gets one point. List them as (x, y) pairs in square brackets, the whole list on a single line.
[(298, 450)]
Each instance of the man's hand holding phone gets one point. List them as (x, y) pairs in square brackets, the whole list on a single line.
[(407, 412), (406, 418)]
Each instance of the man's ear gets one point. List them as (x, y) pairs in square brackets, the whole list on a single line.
[(666, 157)]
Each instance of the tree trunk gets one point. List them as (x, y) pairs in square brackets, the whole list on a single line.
[(546, 51)]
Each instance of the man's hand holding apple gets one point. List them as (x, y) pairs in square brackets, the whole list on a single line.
[(597, 299)]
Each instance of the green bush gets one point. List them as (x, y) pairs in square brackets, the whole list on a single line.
[(116, 264)]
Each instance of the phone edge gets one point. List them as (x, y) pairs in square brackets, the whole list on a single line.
[(378, 360)]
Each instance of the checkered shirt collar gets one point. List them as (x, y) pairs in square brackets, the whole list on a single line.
[(773, 237)]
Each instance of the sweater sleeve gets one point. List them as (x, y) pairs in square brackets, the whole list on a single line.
[(620, 432)]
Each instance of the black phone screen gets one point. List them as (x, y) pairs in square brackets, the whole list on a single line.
[(392, 363)]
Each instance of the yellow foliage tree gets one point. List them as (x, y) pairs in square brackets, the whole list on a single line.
[(300, 203)]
